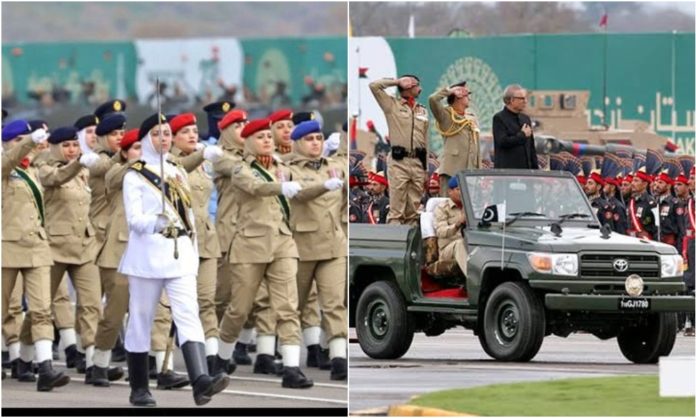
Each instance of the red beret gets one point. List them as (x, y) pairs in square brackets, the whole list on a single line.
[(581, 179), (627, 179), (231, 117), (665, 177), (281, 114), (596, 177), (129, 138), (643, 175), (681, 178), (181, 121), (254, 126), (378, 178)]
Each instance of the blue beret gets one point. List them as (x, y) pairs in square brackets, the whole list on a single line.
[(305, 128), (150, 123), (453, 182), (111, 122), (85, 121), (110, 107), (37, 124), (14, 129), (64, 133)]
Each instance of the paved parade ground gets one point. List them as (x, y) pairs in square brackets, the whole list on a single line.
[(246, 390), (456, 360)]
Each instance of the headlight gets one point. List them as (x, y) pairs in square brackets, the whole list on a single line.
[(558, 264), (671, 266)]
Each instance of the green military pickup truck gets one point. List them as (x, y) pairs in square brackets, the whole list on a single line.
[(538, 264)]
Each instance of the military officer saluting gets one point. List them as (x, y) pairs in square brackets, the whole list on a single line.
[(641, 220), (408, 133), (185, 133), (161, 255), (318, 233), (25, 250), (459, 129), (70, 231)]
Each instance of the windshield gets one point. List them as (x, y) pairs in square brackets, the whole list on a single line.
[(542, 198)]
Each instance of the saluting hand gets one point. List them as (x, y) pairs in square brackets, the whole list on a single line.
[(527, 130), (407, 82), (39, 136)]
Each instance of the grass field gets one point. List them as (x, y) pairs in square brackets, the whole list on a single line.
[(606, 396)]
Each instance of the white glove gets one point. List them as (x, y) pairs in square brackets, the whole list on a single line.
[(290, 188), (333, 183), (39, 136), (212, 153), (331, 143), (161, 223), (199, 146), (89, 160)]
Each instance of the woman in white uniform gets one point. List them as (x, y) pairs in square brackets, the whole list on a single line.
[(161, 254)]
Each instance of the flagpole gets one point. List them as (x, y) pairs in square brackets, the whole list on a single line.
[(674, 100), (604, 77)]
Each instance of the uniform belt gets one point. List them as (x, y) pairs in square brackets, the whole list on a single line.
[(180, 232), (413, 154)]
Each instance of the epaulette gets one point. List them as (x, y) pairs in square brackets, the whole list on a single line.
[(137, 165)]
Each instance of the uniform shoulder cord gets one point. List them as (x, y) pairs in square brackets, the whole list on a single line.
[(459, 123)]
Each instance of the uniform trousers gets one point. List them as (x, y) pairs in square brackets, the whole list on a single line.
[(37, 290), (406, 186), (62, 307), (279, 275), (116, 294), (12, 321), (330, 278), (205, 285), (85, 280), (145, 294), (456, 250)]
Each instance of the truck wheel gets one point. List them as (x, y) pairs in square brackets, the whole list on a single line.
[(644, 344), (513, 323), (383, 326)]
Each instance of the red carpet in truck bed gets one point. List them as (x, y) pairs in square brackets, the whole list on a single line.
[(433, 289)]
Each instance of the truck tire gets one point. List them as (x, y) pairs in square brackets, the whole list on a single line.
[(644, 344), (384, 327), (514, 323)]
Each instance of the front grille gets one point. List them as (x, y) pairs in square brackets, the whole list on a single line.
[(601, 266)]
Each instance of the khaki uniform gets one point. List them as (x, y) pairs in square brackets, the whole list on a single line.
[(62, 307), (461, 138), (321, 243), (99, 206), (208, 246), (15, 320), (451, 245), (72, 239), (25, 248), (263, 249), (408, 128)]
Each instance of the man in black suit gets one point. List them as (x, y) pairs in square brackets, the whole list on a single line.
[(513, 138)]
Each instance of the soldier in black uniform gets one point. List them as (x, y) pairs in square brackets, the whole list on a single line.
[(611, 168), (593, 189), (669, 230), (378, 206), (641, 220)]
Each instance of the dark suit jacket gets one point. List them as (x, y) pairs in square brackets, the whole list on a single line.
[(512, 149)]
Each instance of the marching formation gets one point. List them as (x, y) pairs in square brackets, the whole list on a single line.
[(220, 250)]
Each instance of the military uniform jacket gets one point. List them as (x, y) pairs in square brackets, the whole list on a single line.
[(378, 209), (460, 134), (228, 201), (316, 222), (150, 254), (201, 188), (117, 228), (67, 197), (24, 240), (408, 127), (641, 221), (670, 231), (620, 224), (447, 215), (99, 208)]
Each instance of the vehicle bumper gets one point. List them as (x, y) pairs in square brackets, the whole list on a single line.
[(610, 303)]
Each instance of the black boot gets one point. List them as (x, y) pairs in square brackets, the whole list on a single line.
[(25, 371), (49, 378), (152, 373), (265, 364), (115, 373), (137, 378), (6, 364), (240, 354), (81, 366), (339, 368), (55, 353), (221, 365), (72, 356), (98, 376), (251, 348), (211, 365), (13, 368), (312, 351), (171, 380), (118, 353), (323, 359), (294, 378), (204, 386)]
